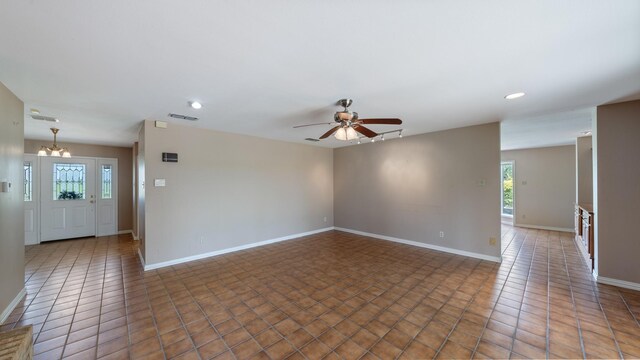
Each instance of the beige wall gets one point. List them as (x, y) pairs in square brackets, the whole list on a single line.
[(230, 190), (141, 192), (413, 188), (545, 186), (134, 160), (11, 205), (125, 173), (584, 163), (617, 201)]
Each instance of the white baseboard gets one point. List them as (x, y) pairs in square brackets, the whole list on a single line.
[(141, 258), (551, 228), (618, 283), (123, 232), (423, 245), (229, 250), (12, 305)]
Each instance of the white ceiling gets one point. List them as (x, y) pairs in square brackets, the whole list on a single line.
[(545, 130), (261, 67)]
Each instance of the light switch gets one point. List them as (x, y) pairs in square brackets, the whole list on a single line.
[(159, 182), (6, 186)]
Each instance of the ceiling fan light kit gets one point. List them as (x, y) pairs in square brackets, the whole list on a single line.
[(349, 125), (346, 134)]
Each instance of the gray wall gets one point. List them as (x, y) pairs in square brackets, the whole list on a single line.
[(584, 163), (11, 205), (125, 174), (545, 186), (413, 188), (617, 202), (230, 190)]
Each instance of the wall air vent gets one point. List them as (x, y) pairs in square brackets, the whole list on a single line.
[(44, 118), (183, 117), (312, 139)]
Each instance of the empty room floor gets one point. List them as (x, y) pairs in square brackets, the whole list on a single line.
[(330, 295)]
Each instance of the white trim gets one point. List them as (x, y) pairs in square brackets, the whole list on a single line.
[(616, 282), (551, 228), (123, 232), (12, 305), (141, 258), (229, 250), (594, 273), (423, 245)]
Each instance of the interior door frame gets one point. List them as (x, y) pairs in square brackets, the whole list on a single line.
[(38, 169)]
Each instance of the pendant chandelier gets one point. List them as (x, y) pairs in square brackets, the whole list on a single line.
[(55, 150)]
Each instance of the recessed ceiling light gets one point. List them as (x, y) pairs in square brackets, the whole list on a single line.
[(35, 111), (196, 105), (514, 96)]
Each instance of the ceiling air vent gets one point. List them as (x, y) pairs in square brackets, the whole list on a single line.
[(311, 139), (44, 118), (183, 117)]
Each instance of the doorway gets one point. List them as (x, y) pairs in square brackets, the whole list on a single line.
[(68, 198)]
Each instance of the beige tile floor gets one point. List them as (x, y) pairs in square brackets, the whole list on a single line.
[(331, 295)]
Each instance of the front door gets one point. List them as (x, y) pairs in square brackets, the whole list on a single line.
[(67, 195)]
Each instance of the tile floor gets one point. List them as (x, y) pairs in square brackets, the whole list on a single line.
[(332, 295)]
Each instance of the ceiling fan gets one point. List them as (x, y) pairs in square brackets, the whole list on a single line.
[(349, 125)]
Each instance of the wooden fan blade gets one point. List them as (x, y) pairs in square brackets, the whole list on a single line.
[(364, 131), (380, 121), (299, 126), (328, 133)]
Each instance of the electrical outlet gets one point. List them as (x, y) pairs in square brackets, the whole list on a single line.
[(441, 234), (492, 241), (201, 240), (325, 219)]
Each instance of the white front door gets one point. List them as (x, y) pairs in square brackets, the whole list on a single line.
[(67, 197)]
